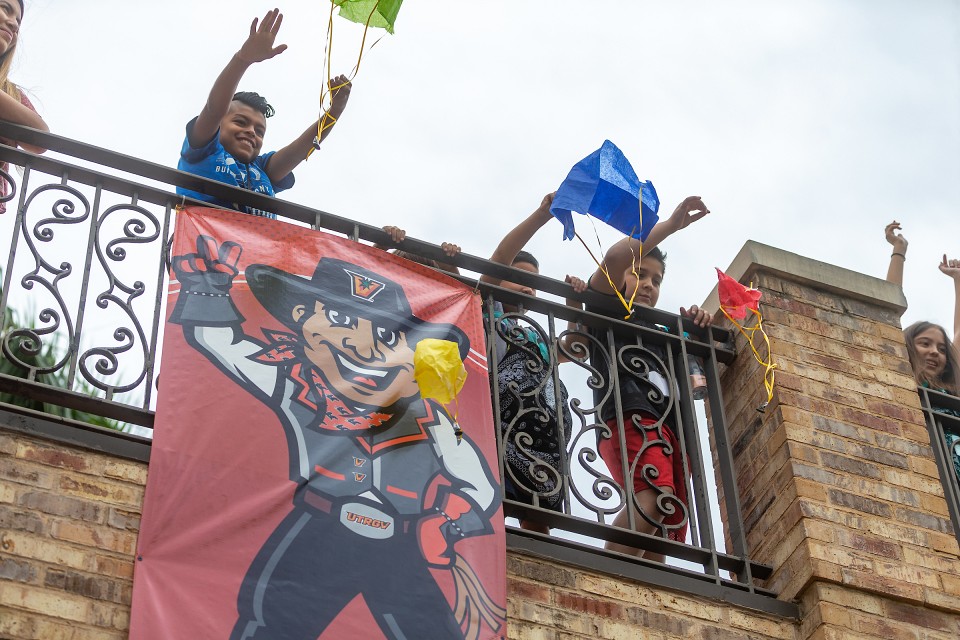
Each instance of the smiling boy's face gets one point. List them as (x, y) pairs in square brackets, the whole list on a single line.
[(242, 130), (364, 362), (650, 272)]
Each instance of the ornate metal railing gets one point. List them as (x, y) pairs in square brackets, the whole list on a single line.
[(86, 271), (942, 412)]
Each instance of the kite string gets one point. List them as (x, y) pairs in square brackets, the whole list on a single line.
[(603, 269), (634, 259), (633, 266), (326, 120), (769, 366)]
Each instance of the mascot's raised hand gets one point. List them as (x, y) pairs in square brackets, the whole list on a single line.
[(205, 279)]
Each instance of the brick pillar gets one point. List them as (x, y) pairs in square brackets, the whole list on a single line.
[(837, 482)]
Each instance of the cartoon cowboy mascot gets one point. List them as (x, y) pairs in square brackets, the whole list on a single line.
[(364, 446)]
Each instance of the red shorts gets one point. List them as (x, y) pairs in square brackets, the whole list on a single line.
[(662, 454)]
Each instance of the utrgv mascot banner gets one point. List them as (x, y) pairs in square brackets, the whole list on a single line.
[(300, 487)]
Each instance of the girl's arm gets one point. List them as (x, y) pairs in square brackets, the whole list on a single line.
[(22, 112), (899, 254), (952, 269)]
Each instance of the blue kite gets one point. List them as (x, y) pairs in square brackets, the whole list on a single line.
[(605, 186)]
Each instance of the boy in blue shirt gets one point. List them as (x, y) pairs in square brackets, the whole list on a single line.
[(223, 142)]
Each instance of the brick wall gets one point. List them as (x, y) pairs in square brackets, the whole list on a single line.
[(68, 526), (837, 481), (549, 601), (68, 529)]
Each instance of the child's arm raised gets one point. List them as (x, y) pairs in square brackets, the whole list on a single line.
[(620, 256), (952, 269), (519, 236), (286, 160), (257, 48), (899, 254)]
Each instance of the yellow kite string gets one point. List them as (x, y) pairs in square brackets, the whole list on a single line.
[(603, 269), (768, 364), (326, 120), (628, 305)]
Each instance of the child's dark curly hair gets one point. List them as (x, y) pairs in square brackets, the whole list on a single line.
[(255, 101)]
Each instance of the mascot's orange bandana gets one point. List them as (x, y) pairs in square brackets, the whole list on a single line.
[(284, 348)]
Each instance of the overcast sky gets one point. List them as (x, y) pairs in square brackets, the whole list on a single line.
[(803, 125)]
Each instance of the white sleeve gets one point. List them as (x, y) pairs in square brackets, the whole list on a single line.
[(461, 460), (230, 351)]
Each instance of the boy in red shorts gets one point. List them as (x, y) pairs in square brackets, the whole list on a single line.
[(653, 457)]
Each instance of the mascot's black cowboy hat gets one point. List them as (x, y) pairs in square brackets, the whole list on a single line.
[(350, 289)]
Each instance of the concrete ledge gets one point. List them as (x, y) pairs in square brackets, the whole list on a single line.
[(71, 432), (755, 257)]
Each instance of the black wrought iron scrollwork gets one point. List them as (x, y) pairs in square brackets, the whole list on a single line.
[(534, 418), (8, 186), (646, 370), (635, 361), (576, 346), (21, 346), (121, 296)]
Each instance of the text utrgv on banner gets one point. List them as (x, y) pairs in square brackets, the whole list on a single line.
[(299, 485)]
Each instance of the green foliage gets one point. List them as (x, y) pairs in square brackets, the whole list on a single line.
[(47, 358)]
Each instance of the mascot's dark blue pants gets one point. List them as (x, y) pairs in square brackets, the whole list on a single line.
[(311, 567)]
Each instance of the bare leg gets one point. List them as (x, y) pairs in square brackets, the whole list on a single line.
[(647, 499)]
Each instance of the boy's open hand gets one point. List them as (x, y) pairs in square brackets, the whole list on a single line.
[(950, 267), (259, 44), (700, 317), (339, 94), (896, 239), (686, 213)]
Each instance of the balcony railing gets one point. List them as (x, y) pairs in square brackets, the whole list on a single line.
[(87, 270), (942, 412)]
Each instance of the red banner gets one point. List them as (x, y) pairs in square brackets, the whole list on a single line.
[(300, 486)]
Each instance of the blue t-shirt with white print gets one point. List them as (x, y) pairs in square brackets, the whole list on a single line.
[(214, 162)]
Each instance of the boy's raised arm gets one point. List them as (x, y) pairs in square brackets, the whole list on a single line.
[(286, 159), (622, 254), (257, 48), (519, 236)]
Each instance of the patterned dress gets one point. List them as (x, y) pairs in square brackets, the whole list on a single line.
[(534, 417)]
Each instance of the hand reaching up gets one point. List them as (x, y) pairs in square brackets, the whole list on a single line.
[(687, 212), (339, 95), (950, 267), (259, 44), (897, 240)]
